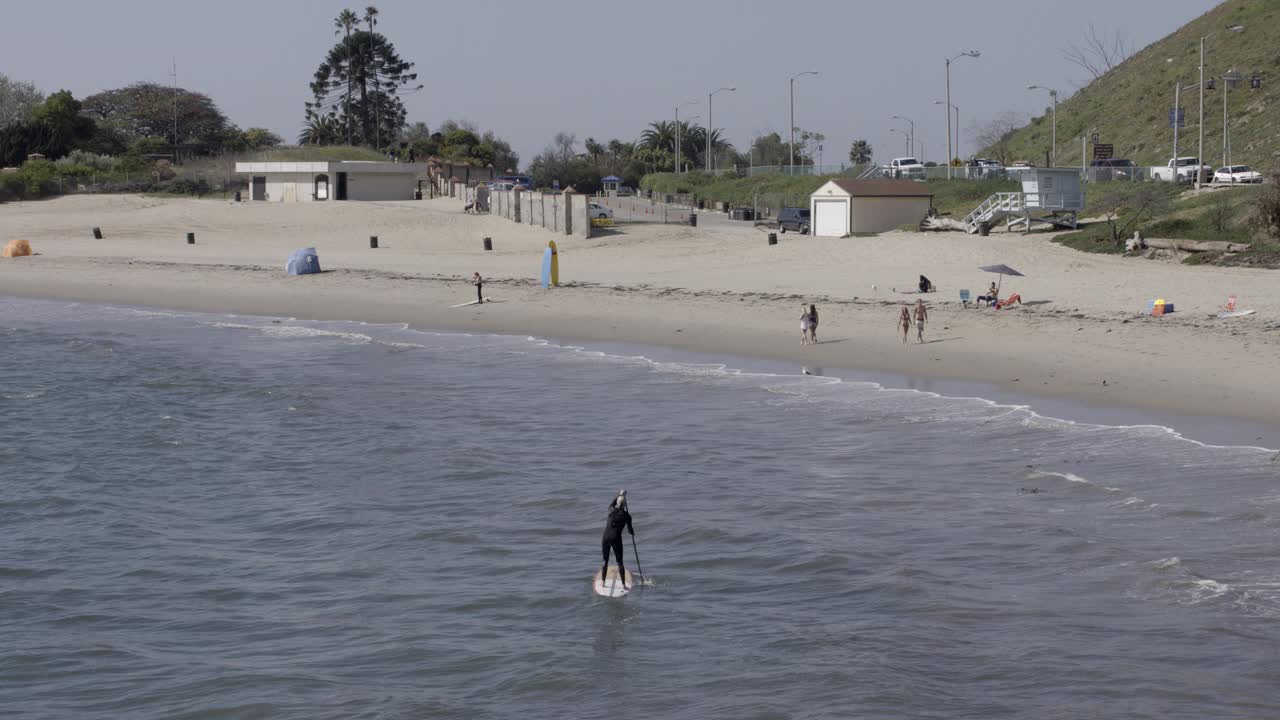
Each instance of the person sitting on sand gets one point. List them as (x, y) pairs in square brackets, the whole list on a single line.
[(991, 298), (921, 316), (612, 540), (904, 322), (813, 324), (925, 285)]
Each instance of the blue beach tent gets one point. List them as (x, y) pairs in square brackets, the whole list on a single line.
[(303, 261)]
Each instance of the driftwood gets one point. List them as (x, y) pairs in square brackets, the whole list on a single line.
[(937, 223), (1194, 246)]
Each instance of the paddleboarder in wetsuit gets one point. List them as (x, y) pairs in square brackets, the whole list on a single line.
[(618, 519)]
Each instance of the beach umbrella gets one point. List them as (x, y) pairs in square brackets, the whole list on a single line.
[(1001, 270)]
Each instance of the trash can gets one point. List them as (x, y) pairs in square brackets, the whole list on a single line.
[(702, 205), (417, 194), (773, 238), (237, 196), (984, 229), (488, 243), (693, 220)]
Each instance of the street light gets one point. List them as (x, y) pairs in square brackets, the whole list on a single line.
[(709, 96), (966, 53), (913, 128), (677, 129), (793, 117), (1200, 151), (1053, 152), (957, 109), (905, 137)]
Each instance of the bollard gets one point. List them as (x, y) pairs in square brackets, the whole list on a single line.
[(373, 242), (191, 238), (488, 243), (773, 238), (97, 233)]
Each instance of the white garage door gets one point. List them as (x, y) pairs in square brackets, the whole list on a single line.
[(831, 218)]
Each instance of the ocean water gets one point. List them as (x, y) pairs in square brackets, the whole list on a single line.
[(224, 517)]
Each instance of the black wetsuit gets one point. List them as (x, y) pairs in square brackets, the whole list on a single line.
[(618, 519)]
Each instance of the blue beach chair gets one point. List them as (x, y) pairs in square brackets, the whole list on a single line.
[(964, 297)]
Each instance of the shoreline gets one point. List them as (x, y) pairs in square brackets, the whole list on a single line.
[(424, 303), (718, 289)]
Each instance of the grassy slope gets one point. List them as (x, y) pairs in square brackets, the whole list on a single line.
[(1129, 106), (313, 153)]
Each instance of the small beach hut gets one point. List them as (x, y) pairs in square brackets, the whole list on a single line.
[(844, 206), (303, 261)]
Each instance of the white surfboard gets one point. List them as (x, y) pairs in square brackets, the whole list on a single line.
[(473, 302), (1236, 313), (611, 587)]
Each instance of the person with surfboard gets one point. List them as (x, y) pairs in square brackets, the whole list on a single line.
[(612, 540)]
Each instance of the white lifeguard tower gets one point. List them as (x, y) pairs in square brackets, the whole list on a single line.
[(1049, 195)]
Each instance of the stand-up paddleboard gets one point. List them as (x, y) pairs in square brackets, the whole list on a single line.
[(1235, 313), (546, 268), (611, 587), (555, 263), (473, 302)]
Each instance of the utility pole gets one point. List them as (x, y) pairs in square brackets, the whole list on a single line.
[(175, 110), (1200, 151), (792, 143), (1053, 154), (1177, 118), (913, 130)]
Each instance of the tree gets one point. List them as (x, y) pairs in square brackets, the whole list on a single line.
[(147, 109), (17, 100), (560, 162), (994, 135), (771, 150), (860, 152), (367, 64), (344, 23), (258, 138), (55, 128), (415, 132), (1100, 52), (321, 130), (594, 149), (504, 158)]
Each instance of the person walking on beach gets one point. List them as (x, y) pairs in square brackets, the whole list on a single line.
[(804, 325), (612, 540), (904, 323), (813, 324), (479, 283), (922, 315)]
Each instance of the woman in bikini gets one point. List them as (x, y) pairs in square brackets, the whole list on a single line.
[(904, 322), (804, 325)]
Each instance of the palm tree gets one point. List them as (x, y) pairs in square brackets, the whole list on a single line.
[(594, 149), (371, 17), (320, 130), (860, 152), (660, 136), (345, 21)]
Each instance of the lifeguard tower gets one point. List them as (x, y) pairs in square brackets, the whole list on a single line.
[(1049, 195), (610, 185)]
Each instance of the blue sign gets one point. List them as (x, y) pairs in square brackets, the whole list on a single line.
[(1181, 115)]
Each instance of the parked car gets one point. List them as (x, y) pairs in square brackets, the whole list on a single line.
[(1116, 169), (1237, 174), (499, 185), (794, 219), (1182, 169), (905, 167), (984, 168), (624, 191), (599, 212)]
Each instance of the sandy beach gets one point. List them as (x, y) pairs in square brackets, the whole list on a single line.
[(718, 289)]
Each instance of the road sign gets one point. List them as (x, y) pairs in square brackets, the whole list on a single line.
[(1094, 140), (1181, 114), (1104, 152), (1255, 82)]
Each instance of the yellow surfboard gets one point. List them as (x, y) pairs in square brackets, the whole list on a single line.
[(555, 264)]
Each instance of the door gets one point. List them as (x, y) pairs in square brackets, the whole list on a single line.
[(341, 193), (259, 189), (831, 218), (322, 187)]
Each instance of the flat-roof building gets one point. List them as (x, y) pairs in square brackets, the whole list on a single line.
[(331, 180)]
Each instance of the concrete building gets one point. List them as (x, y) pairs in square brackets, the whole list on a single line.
[(331, 180), (845, 206)]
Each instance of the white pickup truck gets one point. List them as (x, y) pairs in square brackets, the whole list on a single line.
[(907, 168), (1181, 169)]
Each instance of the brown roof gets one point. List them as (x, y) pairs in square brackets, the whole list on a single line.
[(883, 188)]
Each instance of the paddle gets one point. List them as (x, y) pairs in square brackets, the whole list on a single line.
[(637, 554)]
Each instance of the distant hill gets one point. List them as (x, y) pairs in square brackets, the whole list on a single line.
[(1129, 105)]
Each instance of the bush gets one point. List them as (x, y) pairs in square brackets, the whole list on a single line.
[(39, 178)]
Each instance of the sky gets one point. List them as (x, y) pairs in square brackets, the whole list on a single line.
[(527, 70)]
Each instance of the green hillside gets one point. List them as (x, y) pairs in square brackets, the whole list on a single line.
[(1129, 106)]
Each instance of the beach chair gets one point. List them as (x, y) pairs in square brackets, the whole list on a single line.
[(964, 297)]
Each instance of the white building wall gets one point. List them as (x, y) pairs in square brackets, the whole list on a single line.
[(290, 187), (379, 186), (878, 214)]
